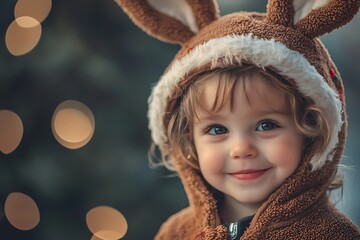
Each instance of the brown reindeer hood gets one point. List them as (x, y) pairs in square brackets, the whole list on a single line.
[(284, 38)]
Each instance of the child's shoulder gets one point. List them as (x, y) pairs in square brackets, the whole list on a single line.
[(178, 224), (335, 225), (187, 224), (325, 222)]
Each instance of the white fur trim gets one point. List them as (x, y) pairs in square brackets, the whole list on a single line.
[(235, 49), (178, 9), (303, 7)]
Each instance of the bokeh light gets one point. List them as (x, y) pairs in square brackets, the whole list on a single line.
[(21, 211), (37, 9), (73, 124), (11, 131), (27, 22), (106, 223), (22, 35)]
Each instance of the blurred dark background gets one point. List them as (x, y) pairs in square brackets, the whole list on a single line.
[(91, 52)]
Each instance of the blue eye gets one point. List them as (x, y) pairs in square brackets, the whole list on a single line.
[(266, 125), (217, 130)]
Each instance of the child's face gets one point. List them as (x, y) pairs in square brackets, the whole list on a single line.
[(249, 151)]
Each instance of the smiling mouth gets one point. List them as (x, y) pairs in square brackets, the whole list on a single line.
[(249, 174)]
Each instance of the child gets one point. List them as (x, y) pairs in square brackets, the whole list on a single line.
[(251, 114)]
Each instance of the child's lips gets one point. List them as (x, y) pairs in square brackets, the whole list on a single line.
[(249, 174)]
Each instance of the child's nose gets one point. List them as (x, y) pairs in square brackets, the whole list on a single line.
[(242, 149)]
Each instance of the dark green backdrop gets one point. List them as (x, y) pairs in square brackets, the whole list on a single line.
[(90, 51)]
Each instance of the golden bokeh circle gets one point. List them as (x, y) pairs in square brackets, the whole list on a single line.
[(21, 211), (37, 9), (27, 22), (106, 223), (11, 129), (73, 124), (22, 35)]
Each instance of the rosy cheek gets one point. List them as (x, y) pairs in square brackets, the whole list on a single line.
[(285, 153), (211, 160)]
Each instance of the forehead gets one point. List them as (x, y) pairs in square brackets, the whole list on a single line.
[(250, 88)]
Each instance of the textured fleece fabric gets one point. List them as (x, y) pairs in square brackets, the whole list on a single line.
[(300, 208)]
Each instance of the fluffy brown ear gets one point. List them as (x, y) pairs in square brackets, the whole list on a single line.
[(172, 21), (312, 18)]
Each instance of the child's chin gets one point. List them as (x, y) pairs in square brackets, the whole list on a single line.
[(252, 199)]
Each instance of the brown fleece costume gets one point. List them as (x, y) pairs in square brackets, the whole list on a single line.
[(289, 31)]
